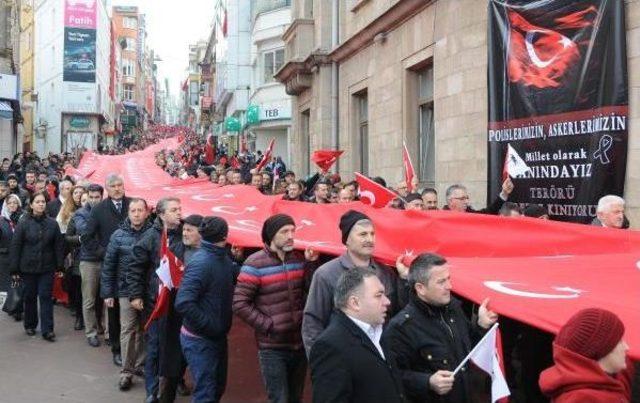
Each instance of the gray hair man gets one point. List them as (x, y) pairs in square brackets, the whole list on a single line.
[(458, 199), (348, 361), (610, 212)]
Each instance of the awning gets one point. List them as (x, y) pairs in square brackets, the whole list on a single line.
[(6, 111)]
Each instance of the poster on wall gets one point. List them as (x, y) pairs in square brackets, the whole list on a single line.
[(79, 55), (558, 103)]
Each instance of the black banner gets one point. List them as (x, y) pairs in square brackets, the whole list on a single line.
[(558, 103), (79, 55)]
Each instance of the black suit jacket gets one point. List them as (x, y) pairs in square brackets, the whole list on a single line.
[(347, 367), (103, 222)]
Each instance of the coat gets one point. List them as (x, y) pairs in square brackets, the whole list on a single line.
[(37, 246), (142, 282), (104, 221), (319, 306), (53, 208), (6, 234), (90, 249), (577, 379), (270, 296), (206, 293), (347, 367), (425, 339), (113, 276)]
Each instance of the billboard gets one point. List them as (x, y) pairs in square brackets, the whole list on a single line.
[(79, 62)]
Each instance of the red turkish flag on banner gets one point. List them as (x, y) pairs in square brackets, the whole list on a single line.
[(372, 193), (267, 156), (170, 273), (324, 159), (409, 173), (209, 151)]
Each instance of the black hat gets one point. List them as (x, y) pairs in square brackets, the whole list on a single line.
[(193, 219), (273, 224), (348, 220), (12, 176), (213, 229)]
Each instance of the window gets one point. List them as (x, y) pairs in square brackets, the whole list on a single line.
[(130, 22), (426, 133), (128, 92), (305, 140), (362, 130), (131, 44), (128, 68), (272, 61)]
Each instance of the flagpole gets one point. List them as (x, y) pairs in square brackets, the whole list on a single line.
[(495, 325)]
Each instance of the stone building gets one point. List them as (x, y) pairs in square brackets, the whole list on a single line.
[(414, 71)]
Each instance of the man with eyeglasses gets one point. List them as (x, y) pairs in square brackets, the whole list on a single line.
[(458, 199)]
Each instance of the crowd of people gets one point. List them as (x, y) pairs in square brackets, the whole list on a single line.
[(366, 331)]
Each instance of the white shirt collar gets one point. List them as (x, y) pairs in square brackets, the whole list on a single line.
[(374, 333)]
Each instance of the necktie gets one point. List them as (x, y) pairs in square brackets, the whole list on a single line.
[(119, 206)]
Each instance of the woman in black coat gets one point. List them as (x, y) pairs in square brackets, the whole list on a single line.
[(37, 252), (11, 211)]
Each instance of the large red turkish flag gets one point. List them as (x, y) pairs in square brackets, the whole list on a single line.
[(535, 271)]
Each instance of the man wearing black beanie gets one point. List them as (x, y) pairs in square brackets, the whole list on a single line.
[(358, 234), (204, 301), (270, 297)]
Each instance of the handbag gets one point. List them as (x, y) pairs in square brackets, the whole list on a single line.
[(13, 303)]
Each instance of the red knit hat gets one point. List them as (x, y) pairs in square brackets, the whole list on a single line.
[(592, 333)]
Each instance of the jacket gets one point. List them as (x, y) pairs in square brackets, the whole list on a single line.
[(104, 221), (270, 296), (141, 278), (206, 293), (53, 207), (72, 241), (577, 379), (347, 367), (425, 339), (317, 311), (37, 246), (90, 249), (113, 276)]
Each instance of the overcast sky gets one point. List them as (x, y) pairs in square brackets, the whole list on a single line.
[(173, 25)]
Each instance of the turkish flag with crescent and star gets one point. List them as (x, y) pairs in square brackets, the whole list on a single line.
[(535, 271), (558, 94)]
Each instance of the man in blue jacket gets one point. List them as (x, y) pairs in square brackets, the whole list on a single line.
[(204, 301)]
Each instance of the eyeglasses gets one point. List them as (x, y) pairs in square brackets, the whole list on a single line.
[(461, 198)]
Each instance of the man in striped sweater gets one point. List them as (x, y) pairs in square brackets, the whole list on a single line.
[(270, 296)]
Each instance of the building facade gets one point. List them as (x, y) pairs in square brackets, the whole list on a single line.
[(72, 74), (10, 117), (413, 71), (269, 111), (28, 99)]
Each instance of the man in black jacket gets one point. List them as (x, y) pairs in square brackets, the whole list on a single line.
[(113, 285), (204, 300), (458, 199), (348, 361), (431, 335), (162, 338), (105, 219), (54, 206)]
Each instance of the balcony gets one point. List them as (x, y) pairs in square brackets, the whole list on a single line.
[(300, 58)]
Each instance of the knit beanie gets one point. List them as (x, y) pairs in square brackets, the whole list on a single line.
[(348, 220), (214, 229), (592, 333), (273, 224)]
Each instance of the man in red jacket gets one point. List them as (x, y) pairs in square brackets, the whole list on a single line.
[(591, 362), (270, 296)]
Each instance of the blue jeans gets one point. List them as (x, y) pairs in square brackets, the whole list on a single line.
[(152, 359), (283, 372), (38, 286), (207, 360)]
